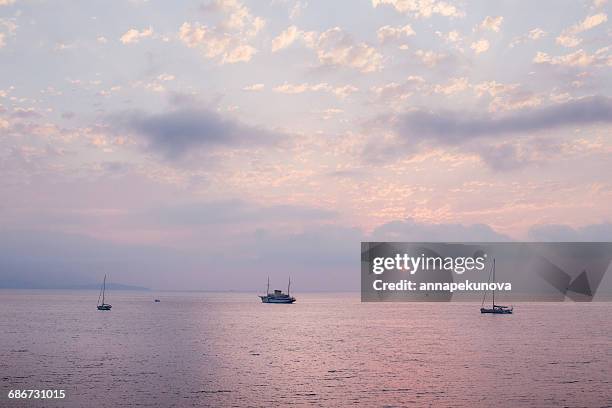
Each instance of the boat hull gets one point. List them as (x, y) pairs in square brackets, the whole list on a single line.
[(104, 307), (269, 299), (495, 311)]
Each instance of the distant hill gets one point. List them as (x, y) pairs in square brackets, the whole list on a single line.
[(109, 286), (31, 285)]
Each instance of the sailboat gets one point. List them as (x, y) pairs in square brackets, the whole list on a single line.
[(103, 305), (278, 296), (496, 309)]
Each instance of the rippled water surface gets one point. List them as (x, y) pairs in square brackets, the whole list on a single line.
[(205, 349)]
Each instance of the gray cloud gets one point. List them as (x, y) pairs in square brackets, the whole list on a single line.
[(201, 219), (456, 127), (177, 133), (232, 212), (483, 135), (410, 230), (26, 114), (459, 127), (503, 157), (116, 167), (563, 233)]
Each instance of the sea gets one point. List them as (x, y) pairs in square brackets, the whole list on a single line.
[(199, 349)]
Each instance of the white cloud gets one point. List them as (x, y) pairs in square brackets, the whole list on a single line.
[(392, 90), (335, 47), (430, 58), (455, 85), (493, 88), (387, 33), (238, 13), (254, 87), (285, 39), (339, 91), (109, 92), (591, 22), (480, 46), (421, 8), (450, 37), (241, 53), (599, 3), (560, 97), (330, 113), (399, 91), (516, 101), (165, 77), (453, 39), (6, 2), (578, 58), (215, 44), (297, 9), (492, 23), (568, 37), (194, 35), (154, 86), (101, 40), (291, 88), (568, 41), (534, 34), (344, 91), (133, 36), (63, 46), (238, 17), (506, 97), (9, 27), (229, 40)]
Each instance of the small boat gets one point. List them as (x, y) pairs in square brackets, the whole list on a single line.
[(103, 305), (278, 296), (495, 309), (157, 300)]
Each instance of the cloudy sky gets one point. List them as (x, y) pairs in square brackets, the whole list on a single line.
[(208, 144)]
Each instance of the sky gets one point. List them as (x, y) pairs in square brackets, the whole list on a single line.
[(208, 144)]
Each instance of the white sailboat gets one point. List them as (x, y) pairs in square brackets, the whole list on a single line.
[(103, 305), (495, 309)]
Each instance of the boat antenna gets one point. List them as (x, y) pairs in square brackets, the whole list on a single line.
[(484, 297), (103, 288), (493, 282), (100, 294)]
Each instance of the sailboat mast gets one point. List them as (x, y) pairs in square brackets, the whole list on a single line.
[(484, 296), (288, 286), (493, 282), (268, 287), (103, 289)]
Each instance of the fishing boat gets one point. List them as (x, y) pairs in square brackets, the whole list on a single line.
[(277, 296), (495, 309), (103, 305)]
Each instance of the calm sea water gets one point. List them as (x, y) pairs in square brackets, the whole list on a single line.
[(204, 349)]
